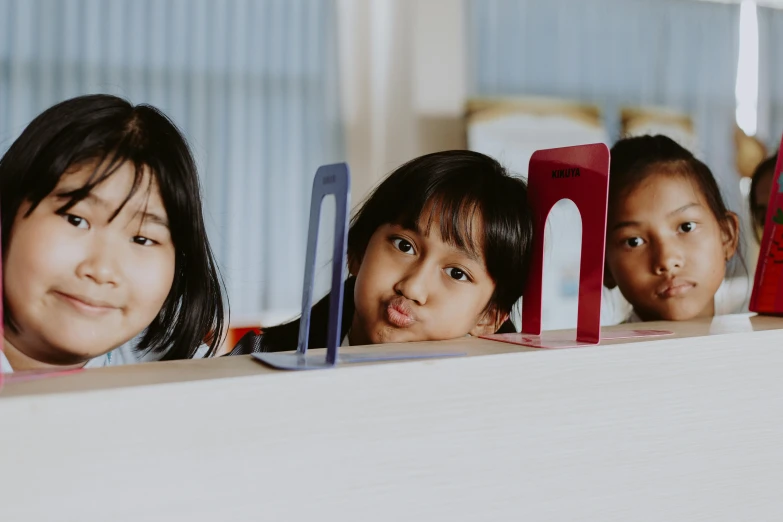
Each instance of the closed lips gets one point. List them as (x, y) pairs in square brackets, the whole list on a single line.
[(399, 313), (675, 287), (86, 302)]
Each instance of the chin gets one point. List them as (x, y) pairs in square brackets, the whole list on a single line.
[(80, 347), (679, 315), (388, 335)]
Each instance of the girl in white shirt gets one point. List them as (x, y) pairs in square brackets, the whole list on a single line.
[(105, 254)]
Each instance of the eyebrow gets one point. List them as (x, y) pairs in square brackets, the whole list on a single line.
[(680, 210), (152, 217), (155, 218), (470, 254)]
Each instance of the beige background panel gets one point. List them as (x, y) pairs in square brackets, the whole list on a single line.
[(681, 429)]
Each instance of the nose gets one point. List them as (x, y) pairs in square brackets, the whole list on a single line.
[(101, 263), (414, 284), (668, 258)]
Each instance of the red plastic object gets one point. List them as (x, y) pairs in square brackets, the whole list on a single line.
[(580, 174), (767, 295)]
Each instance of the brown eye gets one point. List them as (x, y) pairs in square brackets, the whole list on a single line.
[(403, 246), (143, 241), (634, 242), (457, 274), (78, 222), (690, 226)]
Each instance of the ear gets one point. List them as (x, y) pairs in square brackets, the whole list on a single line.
[(489, 323), (730, 235), (354, 264)]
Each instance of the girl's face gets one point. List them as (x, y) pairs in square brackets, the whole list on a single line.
[(666, 250), (80, 284), (412, 286)]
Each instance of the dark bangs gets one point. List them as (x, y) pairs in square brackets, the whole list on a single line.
[(449, 202), (452, 188), (634, 159), (108, 132)]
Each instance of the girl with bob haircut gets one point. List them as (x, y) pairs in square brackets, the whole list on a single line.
[(105, 255)]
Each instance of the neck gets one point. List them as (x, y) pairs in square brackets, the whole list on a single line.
[(21, 361)]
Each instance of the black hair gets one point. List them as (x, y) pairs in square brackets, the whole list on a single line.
[(108, 131), (634, 159), (449, 187), (758, 211)]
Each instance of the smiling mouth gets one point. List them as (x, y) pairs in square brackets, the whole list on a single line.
[(399, 313), (86, 305)]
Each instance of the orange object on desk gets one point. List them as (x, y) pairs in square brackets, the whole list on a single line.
[(234, 334)]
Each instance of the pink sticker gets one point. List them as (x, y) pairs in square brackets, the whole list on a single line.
[(34, 375), (566, 340)]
